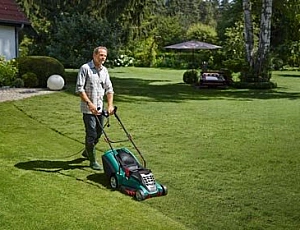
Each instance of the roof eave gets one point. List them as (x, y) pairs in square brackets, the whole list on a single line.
[(14, 23)]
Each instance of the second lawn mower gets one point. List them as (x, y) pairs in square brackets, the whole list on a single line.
[(126, 173)]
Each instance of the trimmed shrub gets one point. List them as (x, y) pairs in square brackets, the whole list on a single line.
[(190, 77), (42, 66), (30, 80), (18, 83)]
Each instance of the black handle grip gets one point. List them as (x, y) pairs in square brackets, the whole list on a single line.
[(105, 112)]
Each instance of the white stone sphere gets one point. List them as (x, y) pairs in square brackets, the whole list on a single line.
[(55, 82)]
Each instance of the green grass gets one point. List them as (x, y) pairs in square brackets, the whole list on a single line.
[(230, 158)]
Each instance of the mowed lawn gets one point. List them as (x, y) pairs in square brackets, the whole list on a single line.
[(230, 158)]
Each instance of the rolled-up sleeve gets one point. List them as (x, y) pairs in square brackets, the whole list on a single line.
[(81, 79), (108, 84)]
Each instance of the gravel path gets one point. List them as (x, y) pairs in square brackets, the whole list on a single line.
[(12, 94)]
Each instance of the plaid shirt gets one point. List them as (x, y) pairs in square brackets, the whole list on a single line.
[(95, 83)]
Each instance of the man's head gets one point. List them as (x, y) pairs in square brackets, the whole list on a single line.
[(99, 55)]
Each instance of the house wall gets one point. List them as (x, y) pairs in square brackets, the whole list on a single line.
[(8, 42)]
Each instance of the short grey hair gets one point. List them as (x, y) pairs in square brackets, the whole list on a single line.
[(96, 50)]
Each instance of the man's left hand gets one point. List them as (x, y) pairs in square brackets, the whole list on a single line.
[(111, 109)]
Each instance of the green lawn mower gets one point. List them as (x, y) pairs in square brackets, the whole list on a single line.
[(126, 173)]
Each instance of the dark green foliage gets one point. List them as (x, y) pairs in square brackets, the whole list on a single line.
[(202, 32), (78, 35), (30, 80), (235, 65), (287, 54), (277, 63), (48, 17), (172, 60), (70, 77), (42, 66), (191, 76), (193, 11), (18, 83), (168, 31), (61, 30)]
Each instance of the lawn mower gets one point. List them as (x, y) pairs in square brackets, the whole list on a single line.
[(124, 170)]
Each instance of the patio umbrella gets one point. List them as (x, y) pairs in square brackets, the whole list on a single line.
[(193, 45)]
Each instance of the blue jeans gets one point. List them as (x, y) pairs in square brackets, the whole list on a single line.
[(93, 130)]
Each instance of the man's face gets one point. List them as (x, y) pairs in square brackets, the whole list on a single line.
[(100, 57)]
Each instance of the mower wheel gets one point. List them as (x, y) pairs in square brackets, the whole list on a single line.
[(113, 182), (165, 190), (140, 195)]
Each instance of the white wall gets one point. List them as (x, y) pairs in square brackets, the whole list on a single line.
[(7, 42)]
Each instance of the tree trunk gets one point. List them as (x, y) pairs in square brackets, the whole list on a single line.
[(261, 66), (248, 33)]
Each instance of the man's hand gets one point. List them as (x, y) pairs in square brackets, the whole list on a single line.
[(111, 109), (93, 108)]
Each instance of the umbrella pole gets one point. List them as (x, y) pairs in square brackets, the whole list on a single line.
[(193, 57)]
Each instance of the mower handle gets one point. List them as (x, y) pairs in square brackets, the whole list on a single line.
[(105, 112)]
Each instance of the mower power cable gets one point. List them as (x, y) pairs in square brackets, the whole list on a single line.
[(55, 130)]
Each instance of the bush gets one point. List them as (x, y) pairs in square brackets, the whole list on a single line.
[(18, 83), (43, 67), (8, 72), (30, 80), (277, 63), (124, 60), (71, 76), (191, 76), (235, 65), (145, 52), (172, 60)]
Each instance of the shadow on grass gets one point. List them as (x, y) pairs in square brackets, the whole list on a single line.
[(51, 166), (288, 75), (99, 178), (132, 89)]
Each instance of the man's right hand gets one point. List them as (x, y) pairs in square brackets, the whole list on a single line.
[(93, 109)]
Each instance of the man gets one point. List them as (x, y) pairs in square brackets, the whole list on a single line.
[(93, 82)]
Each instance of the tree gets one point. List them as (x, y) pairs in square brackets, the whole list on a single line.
[(248, 33), (261, 65), (76, 37), (258, 61), (285, 43), (193, 11), (44, 14), (202, 32)]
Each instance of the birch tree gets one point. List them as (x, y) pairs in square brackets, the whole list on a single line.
[(258, 61), (248, 33), (261, 66)]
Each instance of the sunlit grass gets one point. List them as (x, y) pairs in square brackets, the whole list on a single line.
[(230, 158)]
